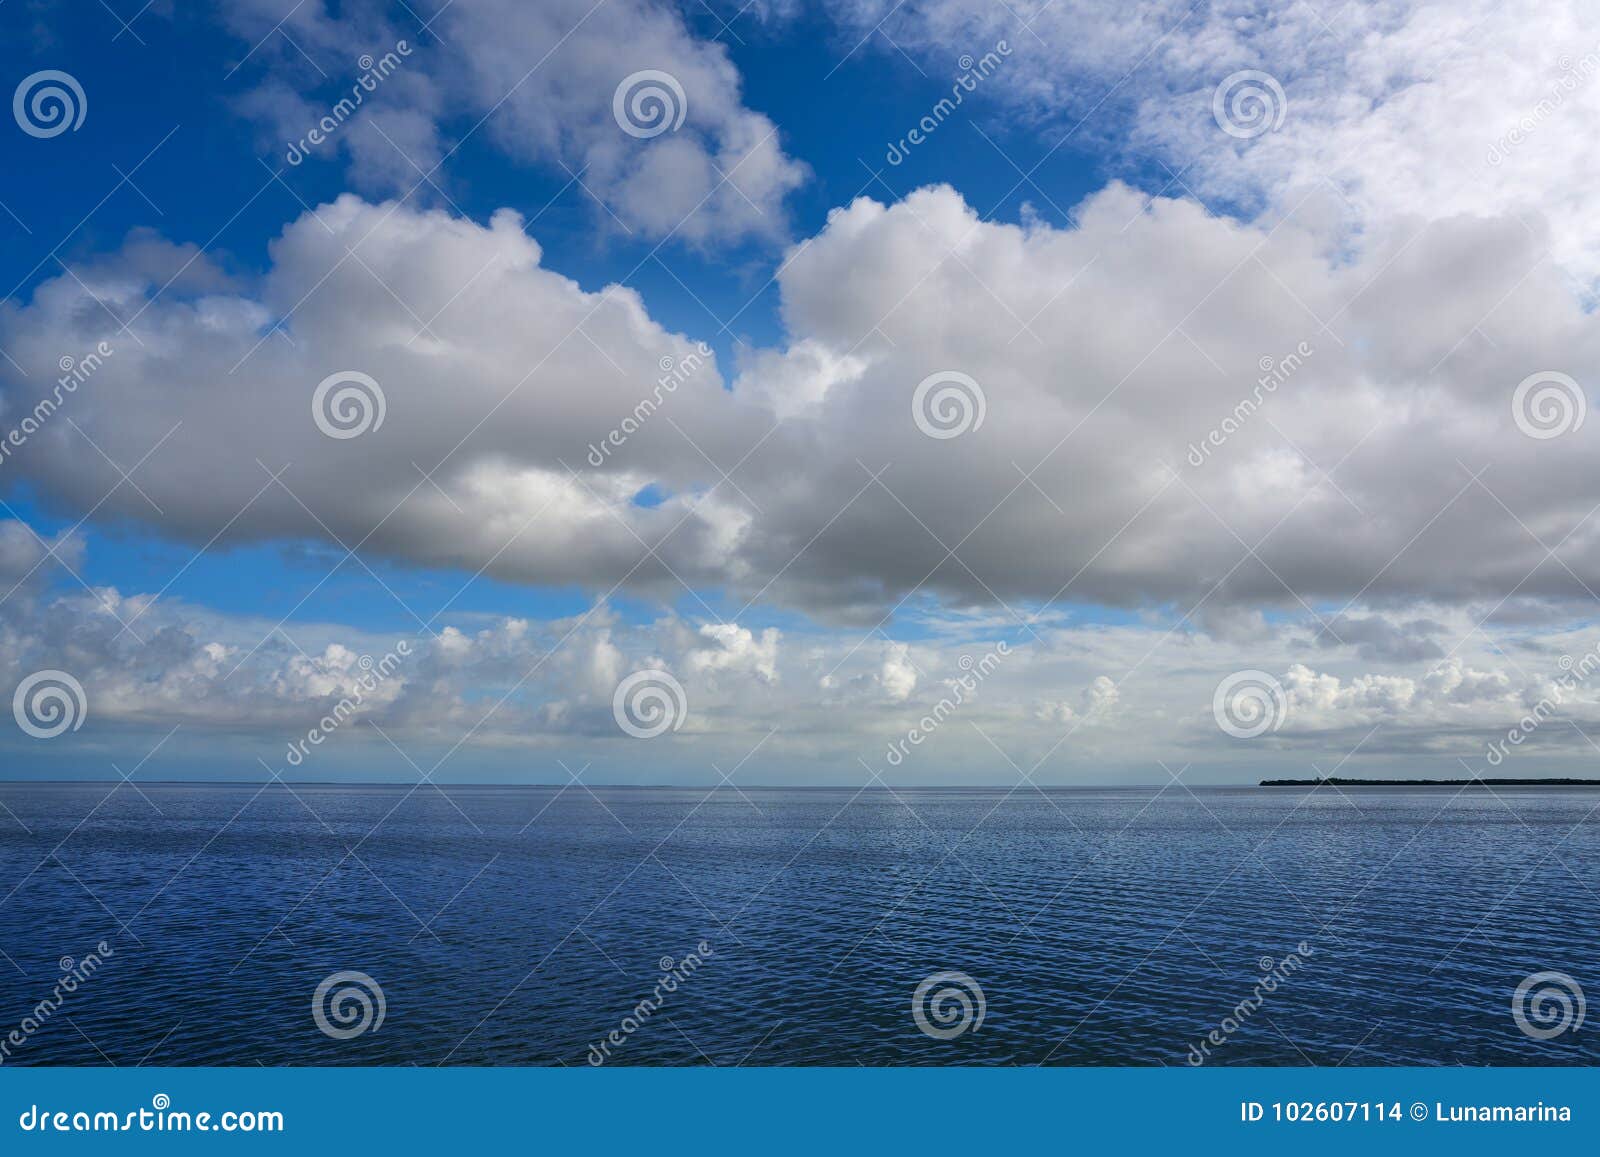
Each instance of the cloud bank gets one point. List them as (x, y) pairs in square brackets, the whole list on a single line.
[(1176, 409)]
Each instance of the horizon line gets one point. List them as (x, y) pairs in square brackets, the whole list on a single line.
[(1306, 783)]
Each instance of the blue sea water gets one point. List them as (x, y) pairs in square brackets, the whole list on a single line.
[(522, 925)]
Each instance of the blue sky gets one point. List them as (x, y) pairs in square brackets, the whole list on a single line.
[(1117, 261)]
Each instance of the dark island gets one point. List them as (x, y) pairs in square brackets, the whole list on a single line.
[(1338, 781)]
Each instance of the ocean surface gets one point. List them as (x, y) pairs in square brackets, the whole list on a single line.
[(524, 926)]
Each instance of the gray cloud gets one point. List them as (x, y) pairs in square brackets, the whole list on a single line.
[(1384, 461), (1375, 637)]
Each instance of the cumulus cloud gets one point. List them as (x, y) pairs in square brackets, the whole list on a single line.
[(1064, 702), (1094, 705), (496, 375), (1382, 459), (539, 81), (737, 650), (898, 675)]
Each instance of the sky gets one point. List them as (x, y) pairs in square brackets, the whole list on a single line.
[(802, 392)]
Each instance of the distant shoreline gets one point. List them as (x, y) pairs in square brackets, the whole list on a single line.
[(1475, 782)]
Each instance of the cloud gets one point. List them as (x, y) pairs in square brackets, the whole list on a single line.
[(1165, 418), (1071, 701), (27, 557), (1095, 705), (1376, 637), (737, 650), (473, 345), (1393, 110), (539, 81), (898, 675)]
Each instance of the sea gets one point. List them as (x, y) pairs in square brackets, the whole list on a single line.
[(312, 924)]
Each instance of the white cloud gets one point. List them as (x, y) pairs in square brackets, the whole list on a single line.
[(1095, 704), (1074, 702), (1397, 110), (1386, 462), (538, 80), (898, 675), (735, 650)]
